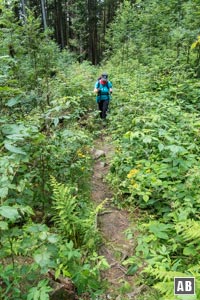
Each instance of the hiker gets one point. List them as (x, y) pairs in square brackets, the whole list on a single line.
[(103, 89)]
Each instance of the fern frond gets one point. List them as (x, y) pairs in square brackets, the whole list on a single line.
[(189, 230), (195, 272), (162, 274), (54, 183), (65, 214), (165, 288)]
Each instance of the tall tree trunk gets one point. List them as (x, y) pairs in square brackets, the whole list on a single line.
[(23, 8), (92, 26), (44, 14)]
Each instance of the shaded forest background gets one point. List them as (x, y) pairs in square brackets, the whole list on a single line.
[(51, 54), (78, 25), (81, 26)]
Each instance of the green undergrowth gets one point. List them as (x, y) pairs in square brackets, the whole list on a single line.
[(156, 170), (48, 123), (47, 220)]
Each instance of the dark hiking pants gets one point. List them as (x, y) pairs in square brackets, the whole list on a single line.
[(103, 107)]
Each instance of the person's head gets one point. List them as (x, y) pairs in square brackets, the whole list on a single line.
[(104, 77)]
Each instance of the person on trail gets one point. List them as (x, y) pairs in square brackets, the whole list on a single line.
[(103, 90)]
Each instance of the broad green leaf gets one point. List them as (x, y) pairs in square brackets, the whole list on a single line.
[(56, 121), (3, 225), (37, 228), (159, 230), (53, 238), (161, 147), (41, 292), (3, 192), (189, 251), (176, 149), (162, 235), (8, 129), (15, 137), (44, 294), (147, 139), (13, 101), (9, 212), (31, 293), (14, 149), (42, 259), (43, 235), (67, 133), (18, 130), (37, 295)]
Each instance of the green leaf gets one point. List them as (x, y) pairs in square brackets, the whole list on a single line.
[(14, 149), (147, 139), (176, 149), (3, 225), (159, 230), (37, 228), (8, 129), (189, 250), (15, 137), (145, 198), (56, 121), (161, 147), (13, 101), (132, 270), (36, 295), (162, 235), (41, 292), (43, 235), (66, 273), (31, 293), (3, 192), (9, 212), (53, 238), (44, 295), (42, 259)]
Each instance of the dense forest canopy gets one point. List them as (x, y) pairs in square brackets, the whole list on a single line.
[(51, 54)]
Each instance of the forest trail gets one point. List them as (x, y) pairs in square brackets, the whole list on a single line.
[(112, 224)]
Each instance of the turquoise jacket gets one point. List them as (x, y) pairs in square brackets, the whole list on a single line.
[(104, 91)]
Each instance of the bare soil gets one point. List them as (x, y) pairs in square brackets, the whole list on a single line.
[(113, 224)]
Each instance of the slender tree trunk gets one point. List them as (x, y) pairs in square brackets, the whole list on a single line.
[(23, 8), (92, 25), (44, 14), (57, 22), (61, 29)]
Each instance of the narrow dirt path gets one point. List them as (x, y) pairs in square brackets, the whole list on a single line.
[(112, 223)]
